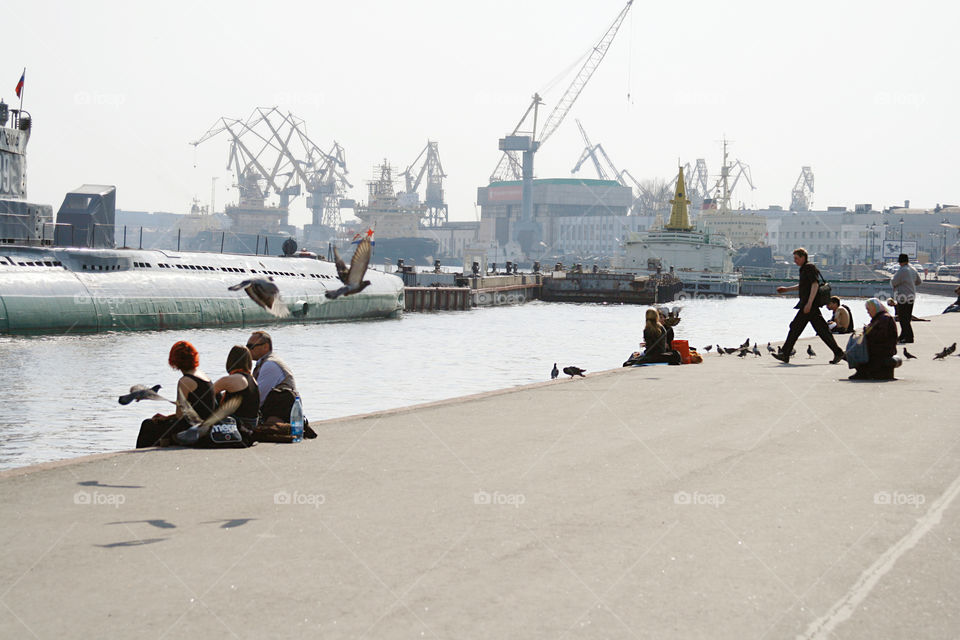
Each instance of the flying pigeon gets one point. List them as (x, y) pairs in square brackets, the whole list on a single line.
[(574, 371), (947, 351), (264, 293), (810, 352), (555, 372), (746, 345), (352, 279), (140, 392), (908, 355)]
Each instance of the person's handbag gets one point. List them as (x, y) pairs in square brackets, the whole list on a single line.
[(823, 291), (856, 351)]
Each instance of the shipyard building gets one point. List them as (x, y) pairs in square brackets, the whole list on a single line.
[(575, 216)]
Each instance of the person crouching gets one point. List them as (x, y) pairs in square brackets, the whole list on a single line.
[(881, 337)]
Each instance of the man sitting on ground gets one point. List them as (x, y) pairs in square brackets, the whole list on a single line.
[(842, 320), (277, 387)]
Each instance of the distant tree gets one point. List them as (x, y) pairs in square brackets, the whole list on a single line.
[(655, 195)]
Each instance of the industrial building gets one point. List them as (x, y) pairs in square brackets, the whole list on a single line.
[(574, 215)]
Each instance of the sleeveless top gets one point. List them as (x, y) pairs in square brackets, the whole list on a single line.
[(201, 398), (248, 411)]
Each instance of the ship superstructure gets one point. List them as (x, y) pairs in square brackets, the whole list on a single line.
[(703, 262)]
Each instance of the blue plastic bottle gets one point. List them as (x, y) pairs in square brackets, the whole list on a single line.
[(296, 420)]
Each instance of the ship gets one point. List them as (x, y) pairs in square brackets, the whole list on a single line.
[(396, 221), (701, 260), (69, 277)]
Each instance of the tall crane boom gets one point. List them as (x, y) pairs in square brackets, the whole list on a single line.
[(583, 76), (526, 231), (510, 167)]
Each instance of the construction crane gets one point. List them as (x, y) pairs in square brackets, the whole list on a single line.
[(647, 199), (526, 231), (270, 151), (436, 208), (801, 198)]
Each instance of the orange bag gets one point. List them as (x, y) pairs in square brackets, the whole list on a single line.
[(684, 348)]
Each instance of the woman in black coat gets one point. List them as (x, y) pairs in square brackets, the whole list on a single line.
[(881, 337)]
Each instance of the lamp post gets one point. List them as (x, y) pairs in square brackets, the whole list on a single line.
[(901, 235), (943, 232), (873, 225)]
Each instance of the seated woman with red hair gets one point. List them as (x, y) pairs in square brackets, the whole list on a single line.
[(194, 385)]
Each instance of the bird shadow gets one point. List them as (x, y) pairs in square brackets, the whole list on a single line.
[(158, 523), (231, 523), (97, 483), (130, 543)]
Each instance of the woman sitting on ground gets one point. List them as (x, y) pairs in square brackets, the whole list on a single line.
[(194, 385), (657, 341), (881, 337), (239, 383)]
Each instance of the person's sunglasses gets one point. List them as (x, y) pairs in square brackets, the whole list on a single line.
[(251, 345)]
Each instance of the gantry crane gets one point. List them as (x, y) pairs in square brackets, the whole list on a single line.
[(436, 208), (272, 151), (801, 198), (527, 231)]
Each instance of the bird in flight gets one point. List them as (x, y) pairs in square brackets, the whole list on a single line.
[(140, 392), (352, 278), (264, 293), (947, 351), (574, 371)]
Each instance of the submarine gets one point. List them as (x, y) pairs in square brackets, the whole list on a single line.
[(68, 277)]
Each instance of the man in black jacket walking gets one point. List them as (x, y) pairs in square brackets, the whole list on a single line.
[(808, 310)]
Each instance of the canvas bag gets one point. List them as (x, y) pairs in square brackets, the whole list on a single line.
[(856, 351)]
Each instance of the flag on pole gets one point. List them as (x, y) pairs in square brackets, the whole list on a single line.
[(20, 84)]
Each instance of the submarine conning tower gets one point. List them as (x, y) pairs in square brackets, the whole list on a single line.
[(21, 222)]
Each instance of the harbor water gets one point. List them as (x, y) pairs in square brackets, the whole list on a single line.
[(60, 392)]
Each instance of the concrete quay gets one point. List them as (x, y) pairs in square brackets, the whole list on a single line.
[(738, 498)]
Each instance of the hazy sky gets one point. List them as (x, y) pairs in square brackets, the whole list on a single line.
[(864, 92)]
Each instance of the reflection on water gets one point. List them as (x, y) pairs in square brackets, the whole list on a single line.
[(60, 393)]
